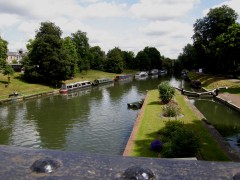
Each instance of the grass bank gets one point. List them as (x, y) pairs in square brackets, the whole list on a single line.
[(25, 88), (211, 82), (152, 122)]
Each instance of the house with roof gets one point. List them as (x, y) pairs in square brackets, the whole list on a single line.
[(13, 56)]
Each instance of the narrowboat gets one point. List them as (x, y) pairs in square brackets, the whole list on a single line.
[(123, 77), (74, 86), (102, 81), (153, 72), (162, 72), (141, 74)]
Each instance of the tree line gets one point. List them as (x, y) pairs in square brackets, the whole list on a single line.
[(216, 44), (52, 59)]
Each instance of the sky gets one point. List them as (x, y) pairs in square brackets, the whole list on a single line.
[(130, 25)]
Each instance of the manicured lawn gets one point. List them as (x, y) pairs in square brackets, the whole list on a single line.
[(152, 122)]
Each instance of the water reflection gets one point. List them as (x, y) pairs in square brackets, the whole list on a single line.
[(224, 119), (95, 120)]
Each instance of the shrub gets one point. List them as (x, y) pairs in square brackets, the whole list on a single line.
[(178, 141), (185, 144), (170, 128), (171, 109), (166, 91), (156, 145)]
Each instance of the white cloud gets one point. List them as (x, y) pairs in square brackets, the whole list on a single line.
[(7, 20), (103, 10), (162, 9), (108, 23)]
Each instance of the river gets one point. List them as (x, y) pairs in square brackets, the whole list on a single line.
[(95, 120)]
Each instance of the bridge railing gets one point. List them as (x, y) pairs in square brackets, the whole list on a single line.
[(22, 163)]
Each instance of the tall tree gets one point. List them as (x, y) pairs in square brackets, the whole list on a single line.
[(71, 51), (142, 61), (128, 57), (80, 40), (228, 51), (97, 58), (188, 57), (48, 60), (206, 31), (3, 52), (114, 62), (154, 56)]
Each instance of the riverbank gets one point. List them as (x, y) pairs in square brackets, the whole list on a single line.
[(146, 130), (26, 89)]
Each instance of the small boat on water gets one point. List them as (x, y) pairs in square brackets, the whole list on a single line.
[(162, 72), (102, 81), (74, 86), (153, 72), (135, 105), (141, 74), (123, 77)]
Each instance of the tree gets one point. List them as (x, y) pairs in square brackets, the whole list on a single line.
[(206, 31), (228, 50), (188, 57), (97, 58), (154, 57), (114, 62), (71, 51), (48, 60), (128, 57), (167, 63), (3, 52), (142, 61), (81, 42), (8, 70)]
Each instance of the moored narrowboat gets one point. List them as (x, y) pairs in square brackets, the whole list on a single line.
[(74, 86), (123, 77), (141, 74), (102, 81)]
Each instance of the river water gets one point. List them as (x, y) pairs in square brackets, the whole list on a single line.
[(94, 120)]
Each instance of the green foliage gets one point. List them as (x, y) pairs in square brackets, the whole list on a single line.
[(114, 62), (166, 91), (128, 57), (97, 58), (48, 61), (154, 57), (171, 109), (188, 57), (142, 62), (170, 128), (8, 70), (179, 142), (208, 47), (71, 51), (228, 50), (80, 41), (148, 58), (3, 52)]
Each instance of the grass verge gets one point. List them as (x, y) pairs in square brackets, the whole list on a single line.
[(211, 82), (25, 88), (152, 122)]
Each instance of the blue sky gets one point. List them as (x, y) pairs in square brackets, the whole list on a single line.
[(128, 24)]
